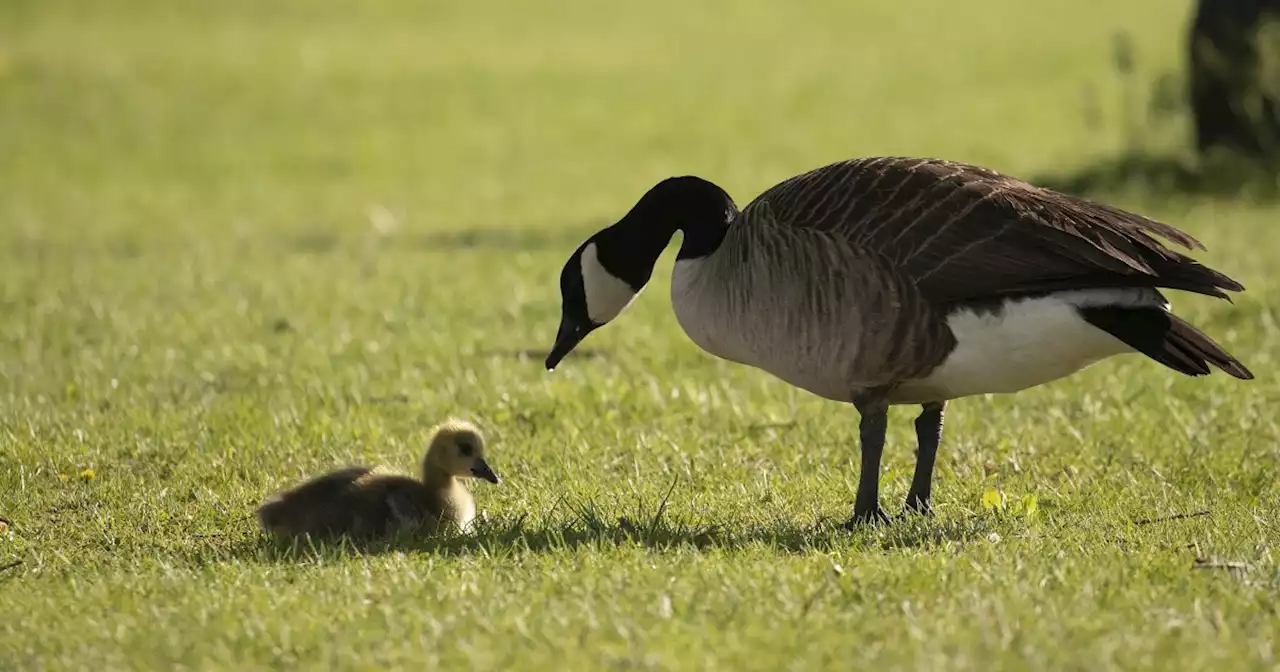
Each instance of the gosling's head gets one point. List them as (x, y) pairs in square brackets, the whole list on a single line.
[(457, 448)]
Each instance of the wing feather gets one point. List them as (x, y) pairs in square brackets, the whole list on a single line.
[(964, 233)]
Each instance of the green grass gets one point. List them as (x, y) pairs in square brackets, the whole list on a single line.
[(245, 242)]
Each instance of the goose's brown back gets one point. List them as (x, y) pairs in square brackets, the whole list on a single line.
[(961, 233)]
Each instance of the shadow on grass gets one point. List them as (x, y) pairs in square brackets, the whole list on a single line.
[(1164, 175), (589, 530)]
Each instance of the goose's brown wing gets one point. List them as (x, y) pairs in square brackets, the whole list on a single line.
[(962, 233)]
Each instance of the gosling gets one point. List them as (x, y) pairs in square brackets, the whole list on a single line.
[(361, 502)]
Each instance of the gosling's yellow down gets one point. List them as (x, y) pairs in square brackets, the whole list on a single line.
[(365, 502)]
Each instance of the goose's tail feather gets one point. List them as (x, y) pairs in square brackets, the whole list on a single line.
[(1165, 338)]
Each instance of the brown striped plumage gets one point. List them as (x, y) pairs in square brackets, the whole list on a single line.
[(962, 233)]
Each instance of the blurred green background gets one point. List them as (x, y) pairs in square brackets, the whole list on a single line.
[(244, 242)]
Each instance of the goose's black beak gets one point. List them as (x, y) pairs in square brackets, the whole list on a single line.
[(570, 335), (484, 471)]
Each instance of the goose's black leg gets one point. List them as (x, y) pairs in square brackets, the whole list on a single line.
[(871, 434), (928, 436)]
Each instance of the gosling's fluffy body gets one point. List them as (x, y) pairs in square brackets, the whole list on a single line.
[(369, 502)]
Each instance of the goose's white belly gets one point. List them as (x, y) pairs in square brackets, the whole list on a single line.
[(1027, 342)]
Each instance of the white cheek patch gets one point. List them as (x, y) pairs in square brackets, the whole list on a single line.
[(607, 295)]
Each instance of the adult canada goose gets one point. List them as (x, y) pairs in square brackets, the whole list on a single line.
[(363, 502), (894, 280)]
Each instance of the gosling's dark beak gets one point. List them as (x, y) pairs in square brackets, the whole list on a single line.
[(483, 470), (568, 338)]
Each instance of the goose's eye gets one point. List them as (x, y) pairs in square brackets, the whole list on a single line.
[(466, 449)]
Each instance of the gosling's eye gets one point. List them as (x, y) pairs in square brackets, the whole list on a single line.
[(466, 449)]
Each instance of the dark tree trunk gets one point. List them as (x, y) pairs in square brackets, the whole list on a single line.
[(1233, 92)]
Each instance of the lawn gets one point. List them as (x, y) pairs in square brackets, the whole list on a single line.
[(247, 242)]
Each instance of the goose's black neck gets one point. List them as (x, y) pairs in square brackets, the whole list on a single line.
[(690, 204)]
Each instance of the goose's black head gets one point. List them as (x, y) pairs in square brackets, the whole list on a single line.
[(608, 270)]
